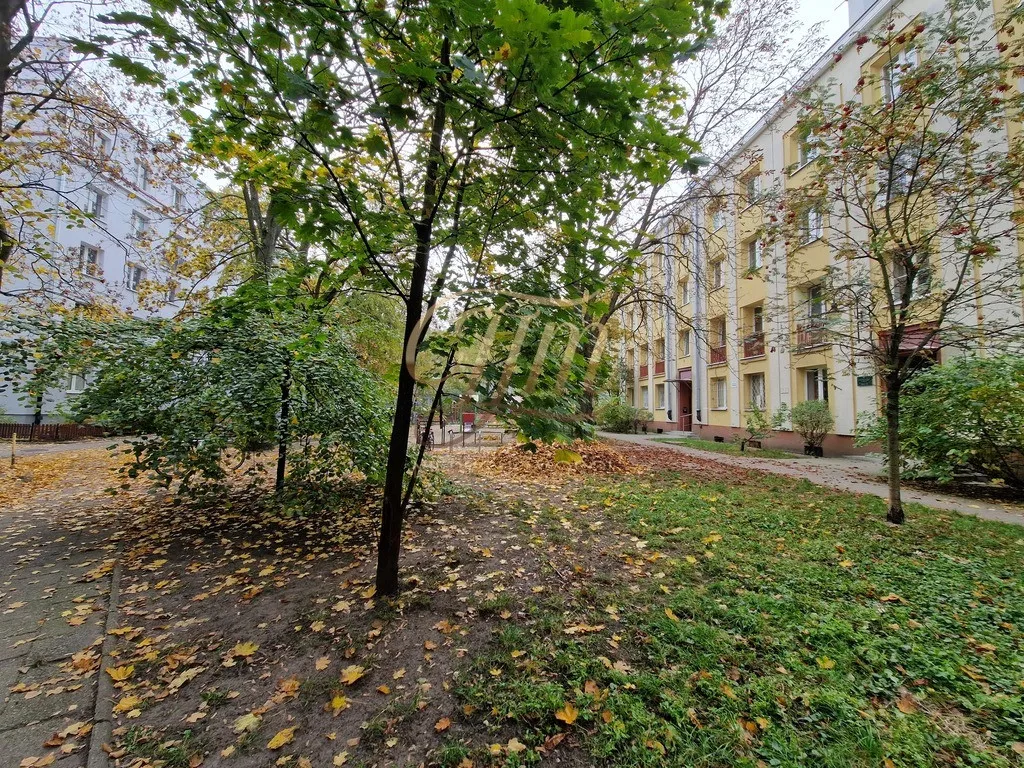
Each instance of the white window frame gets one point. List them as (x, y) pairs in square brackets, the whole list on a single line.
[(717, 220), (179, 199), (720, 388), (757, 319), (140, 225), (816, 384), (757, 396), (96, 203), (93, 267), (816, 298), (806, 152), (718, 273), (659, 397), (134, 274), (141, 175), (753, 190), (684, 343), (813, 225), (75, 384), (684, 291), (755, 255), (900, 64), (922, 280), (645, 398)]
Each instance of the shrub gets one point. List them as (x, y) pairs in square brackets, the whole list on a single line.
[(967, 414), (812, 420), (616, 416), (760, 424)]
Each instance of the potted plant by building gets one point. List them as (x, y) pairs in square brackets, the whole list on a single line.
[(812, 420)]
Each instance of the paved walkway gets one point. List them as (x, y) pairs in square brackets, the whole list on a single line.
[(55, 575), (847, 474)]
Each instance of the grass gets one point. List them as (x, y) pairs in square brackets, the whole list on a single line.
[(733, 449), (776, 624)]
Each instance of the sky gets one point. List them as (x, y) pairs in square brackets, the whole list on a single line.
[(832, 12)]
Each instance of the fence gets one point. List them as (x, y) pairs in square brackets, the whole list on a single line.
[(50, 433)]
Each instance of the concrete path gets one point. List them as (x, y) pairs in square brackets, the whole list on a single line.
[(55, 566), (847, 474)]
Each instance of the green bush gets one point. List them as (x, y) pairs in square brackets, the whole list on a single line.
[(967, 414), (616, 416), (812, 420)]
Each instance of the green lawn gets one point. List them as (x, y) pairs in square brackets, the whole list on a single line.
[(767, 623), (733, 449)]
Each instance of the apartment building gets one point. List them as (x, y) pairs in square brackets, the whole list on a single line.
[(732, 334), (102, 216)]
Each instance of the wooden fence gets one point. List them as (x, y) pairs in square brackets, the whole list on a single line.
[(50, 433)]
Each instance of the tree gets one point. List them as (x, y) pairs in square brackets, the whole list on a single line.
[(913, 188), (431, 130), (986, 394)]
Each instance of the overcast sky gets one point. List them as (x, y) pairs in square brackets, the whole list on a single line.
[(832, 12)]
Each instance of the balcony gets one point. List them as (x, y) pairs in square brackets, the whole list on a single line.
[(811, 332), (718, 355), (753, 345), (659, 367)]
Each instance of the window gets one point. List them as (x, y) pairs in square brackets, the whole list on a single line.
[(179, 199), (684, 291), (141, 175), (718, 219), (630, 321), (101, 143), (134, 274), (172, 292), (643, 354), (897, 179), (817, 383), (684, 343), (95, 203), (717, 273), (806, 152), (720, 394), (812, 225), (815, 301), (922, 279), (645, 398), (718, 332), (659, 394), (754, 258), (89, 259), (140, 225), (75, 384), (757, 320), (756, 391), (659, 349), (894, 72), (753, 189), (657, 262)]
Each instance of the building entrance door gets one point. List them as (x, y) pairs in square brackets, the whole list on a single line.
[(685, 406)]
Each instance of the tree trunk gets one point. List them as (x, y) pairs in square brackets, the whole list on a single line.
[(892, 434), (284, 427), (393, 508)]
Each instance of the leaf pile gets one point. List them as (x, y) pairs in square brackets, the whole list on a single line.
[(544, 460)]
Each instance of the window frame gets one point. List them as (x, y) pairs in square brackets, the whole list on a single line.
[(763, 393), (69, 384), (92, 268), (660, 396), (720, 387), (134, 274), (816, 388), (717, 274), (755, 255)]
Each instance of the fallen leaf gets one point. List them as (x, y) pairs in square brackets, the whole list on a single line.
[(443, 724), (515, 746), (906, 704), (567, 714), (340, 759), (282, 737), (247, 722), (352, 673), (826, 663), (322, 663), (120, 674), (245, 650)]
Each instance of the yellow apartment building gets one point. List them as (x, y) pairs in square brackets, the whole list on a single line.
[(732, 334)]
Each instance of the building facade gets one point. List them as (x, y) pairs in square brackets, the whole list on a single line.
[(742, 323), (103, 218)]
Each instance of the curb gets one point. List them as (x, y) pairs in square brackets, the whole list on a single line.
[(103, 716)]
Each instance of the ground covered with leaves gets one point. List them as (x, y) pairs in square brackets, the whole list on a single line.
[(682, 613)]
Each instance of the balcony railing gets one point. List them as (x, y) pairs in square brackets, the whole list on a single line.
[(718, 355), (753, 345), (811, 332), (659, 367)]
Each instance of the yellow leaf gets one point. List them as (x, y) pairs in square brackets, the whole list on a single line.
[(352, 673), (127, 704), (322, 663), (244, 650), (430, 645), (505, 52), (515, 746), (337, 704), (567, 714), (228, 751), (906, 704), (247, 722), (846, 563), (119, 674), (399, 674), (691, 559), (340, 759), (671, 614), (564, 455), (384, 689), (282, 737), (728, 691), (826, 663), (714, 537), (443, 724)]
